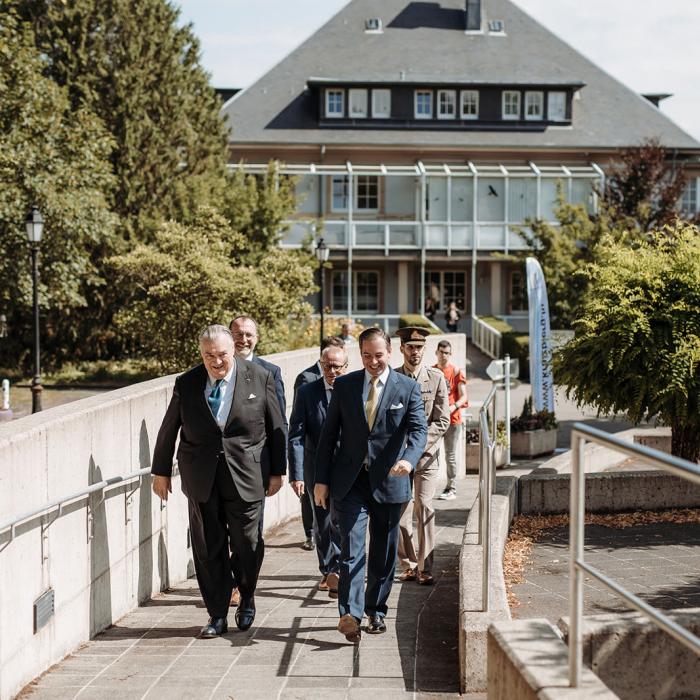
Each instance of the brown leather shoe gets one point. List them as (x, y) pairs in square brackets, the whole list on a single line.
[(323, 585), (350, 627), (425, 579), (408, 575), (235, 598), (332, 580)]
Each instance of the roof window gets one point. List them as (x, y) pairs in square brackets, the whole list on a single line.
[(373, 24), (497, 26)]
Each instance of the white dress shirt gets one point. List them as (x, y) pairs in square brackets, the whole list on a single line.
[(383, 377), (228, 383)]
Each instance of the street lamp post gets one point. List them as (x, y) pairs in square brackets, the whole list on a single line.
[(322, 253), (35, 227)]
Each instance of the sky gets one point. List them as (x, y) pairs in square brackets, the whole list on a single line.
[(650, 46)]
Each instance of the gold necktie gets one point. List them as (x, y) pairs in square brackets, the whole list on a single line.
[(372, 403)]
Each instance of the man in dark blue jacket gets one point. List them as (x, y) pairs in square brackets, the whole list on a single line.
[(308, 416), (378, 416)]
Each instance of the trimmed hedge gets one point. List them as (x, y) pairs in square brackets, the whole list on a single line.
[(512, 343), (498, 323), (418, 320)]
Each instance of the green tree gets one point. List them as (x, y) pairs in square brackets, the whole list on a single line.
[(637, 343), (139, 71), (193, 275), (56, 159)]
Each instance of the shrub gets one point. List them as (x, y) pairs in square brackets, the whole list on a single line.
[(418, 320)]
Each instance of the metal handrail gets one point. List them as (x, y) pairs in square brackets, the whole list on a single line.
[(11, 523), (577, 567), (487, 445)]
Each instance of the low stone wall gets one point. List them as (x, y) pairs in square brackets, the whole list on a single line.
[(103, 554)]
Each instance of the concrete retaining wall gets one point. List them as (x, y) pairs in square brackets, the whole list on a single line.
[(105, 554), (607, 492)]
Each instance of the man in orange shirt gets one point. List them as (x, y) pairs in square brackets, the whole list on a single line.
[(457, 396)]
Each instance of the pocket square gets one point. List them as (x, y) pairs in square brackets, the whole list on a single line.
[(252, 396), (395, 407)]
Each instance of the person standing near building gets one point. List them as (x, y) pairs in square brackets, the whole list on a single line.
[(378, 416), (457, 393), (311, 374), (231, 455), (308, 415), (452, 317), (419, 566), (346, 333)]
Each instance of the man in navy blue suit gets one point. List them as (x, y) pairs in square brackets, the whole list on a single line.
[(379, 419), (245, 337), (312, 374), (308, 416)]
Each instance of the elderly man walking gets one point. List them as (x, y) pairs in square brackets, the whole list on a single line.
[(308, 415), (419, 566), (377, 415), (231, 455)]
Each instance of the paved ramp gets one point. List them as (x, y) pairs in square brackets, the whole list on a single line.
[(293, 649)]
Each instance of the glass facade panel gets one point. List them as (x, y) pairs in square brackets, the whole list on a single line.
[(436, 198), (522, 199), (491, 199), (549, 204), (462, 199)]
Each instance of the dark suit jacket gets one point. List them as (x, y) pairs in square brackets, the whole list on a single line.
[(253, 439), (279, 384), (308, 416), (399, 432), (310, 374)]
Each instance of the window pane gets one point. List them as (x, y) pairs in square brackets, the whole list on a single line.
[(689, 200), (556, 106), (462, 198), (518, 291), (447, 104), (366, 291), (339, 293), (533, 105), (522, 199), (511, 104), (424, 104), (358, 103), (340, 193), (549, 203), (366, 192), (381, 103), (335, 103), (470, 104), (436, 198), (491, 199), (582, 193)]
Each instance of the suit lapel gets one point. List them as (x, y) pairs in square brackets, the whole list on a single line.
[(239, 390), (359, 404)]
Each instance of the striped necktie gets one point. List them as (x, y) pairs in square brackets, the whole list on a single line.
[(214, 398), (372, 403)]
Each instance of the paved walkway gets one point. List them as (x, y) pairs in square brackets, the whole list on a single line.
[(293, 649), (660, 563)]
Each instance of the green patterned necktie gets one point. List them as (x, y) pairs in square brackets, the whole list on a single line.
[(214, 398)]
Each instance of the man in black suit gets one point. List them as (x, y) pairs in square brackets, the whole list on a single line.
[(245, 337), (231, 455), (311, 374)]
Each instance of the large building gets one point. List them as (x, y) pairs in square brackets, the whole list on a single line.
[(423, 133)]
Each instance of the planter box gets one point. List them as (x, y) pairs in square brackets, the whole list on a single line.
[(532, 443), (472, 457)]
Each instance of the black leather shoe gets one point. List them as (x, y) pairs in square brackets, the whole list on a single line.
[(245, 614), (214, 628), (309, 544), (376, 625)]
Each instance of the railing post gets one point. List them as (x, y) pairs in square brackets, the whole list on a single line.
[(507, 407), (576, 533)]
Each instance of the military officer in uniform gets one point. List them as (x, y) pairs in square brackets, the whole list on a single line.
[(418, 565)]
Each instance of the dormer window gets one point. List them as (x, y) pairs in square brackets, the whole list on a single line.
[(496, 26), (381, 104), (511, 104), (357, 101), (556, 106), (335, 103), (469, 104), (534, 106), (447, 104), (423, 104)]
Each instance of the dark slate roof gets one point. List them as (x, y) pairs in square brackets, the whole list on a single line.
[(426, 41)]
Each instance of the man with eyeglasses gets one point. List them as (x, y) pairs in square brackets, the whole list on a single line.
[(312, 374), (457, 387), (308, 415)]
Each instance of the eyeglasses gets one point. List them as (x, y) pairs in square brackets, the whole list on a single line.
[(333, 368)]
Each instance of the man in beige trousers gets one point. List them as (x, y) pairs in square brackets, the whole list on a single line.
[(419, 566)]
